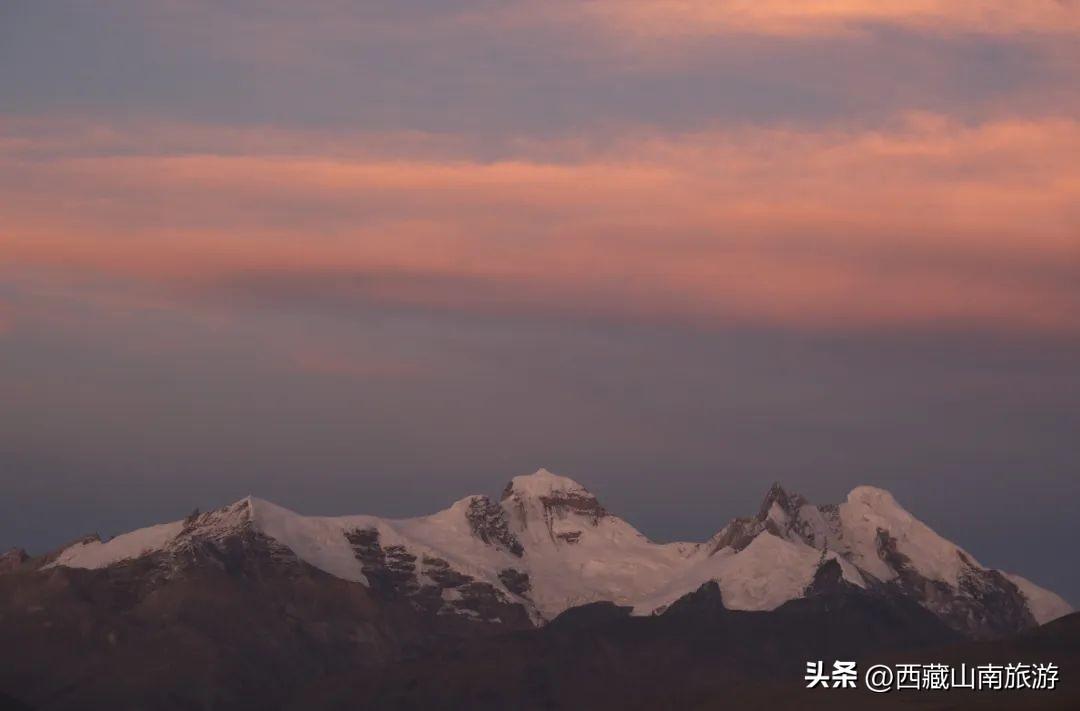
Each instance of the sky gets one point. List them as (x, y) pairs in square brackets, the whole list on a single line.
[(371, 257)]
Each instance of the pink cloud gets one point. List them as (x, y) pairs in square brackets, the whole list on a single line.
[(924, 222), (664, 18)]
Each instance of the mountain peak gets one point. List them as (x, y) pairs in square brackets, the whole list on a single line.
[(549, 545), (788, 502), (874, 498), (542, 497), (543, 483)]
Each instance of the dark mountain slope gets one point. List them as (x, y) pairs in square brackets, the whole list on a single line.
[(597, 657), (243, 629)]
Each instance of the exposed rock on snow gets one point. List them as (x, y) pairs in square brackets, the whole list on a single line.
[(550, 545), (94, 553), (488, 523)]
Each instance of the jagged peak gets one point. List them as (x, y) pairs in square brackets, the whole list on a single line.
[(554, 528), (789, 502), (237, 512)]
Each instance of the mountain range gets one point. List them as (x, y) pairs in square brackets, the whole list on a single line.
[(255, 606)]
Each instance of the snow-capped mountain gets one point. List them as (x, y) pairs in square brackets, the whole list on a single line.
[(549, 545)]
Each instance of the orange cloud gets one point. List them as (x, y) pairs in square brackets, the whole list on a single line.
[(928, 222), (804, 17)]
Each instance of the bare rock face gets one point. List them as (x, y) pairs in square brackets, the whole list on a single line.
[(704, 603), (556, 497), (986, 604), (444, 577), (488, 523), (515, 581), (432, 586), (980, 602), (390, 571), (12, 560), (225, 538), (829, 580), (581, 503), (788, 503), (562, 506), (779, 514), (789, 515), (737, 535)]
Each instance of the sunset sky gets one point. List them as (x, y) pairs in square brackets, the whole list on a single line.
[(370, 257)]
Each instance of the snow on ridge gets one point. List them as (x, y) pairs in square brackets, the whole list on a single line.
[(762, 576), (869, 510), (92, 554), (445, 535), (1044, 604), (137, 543), (320, 542), (573, 552)]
